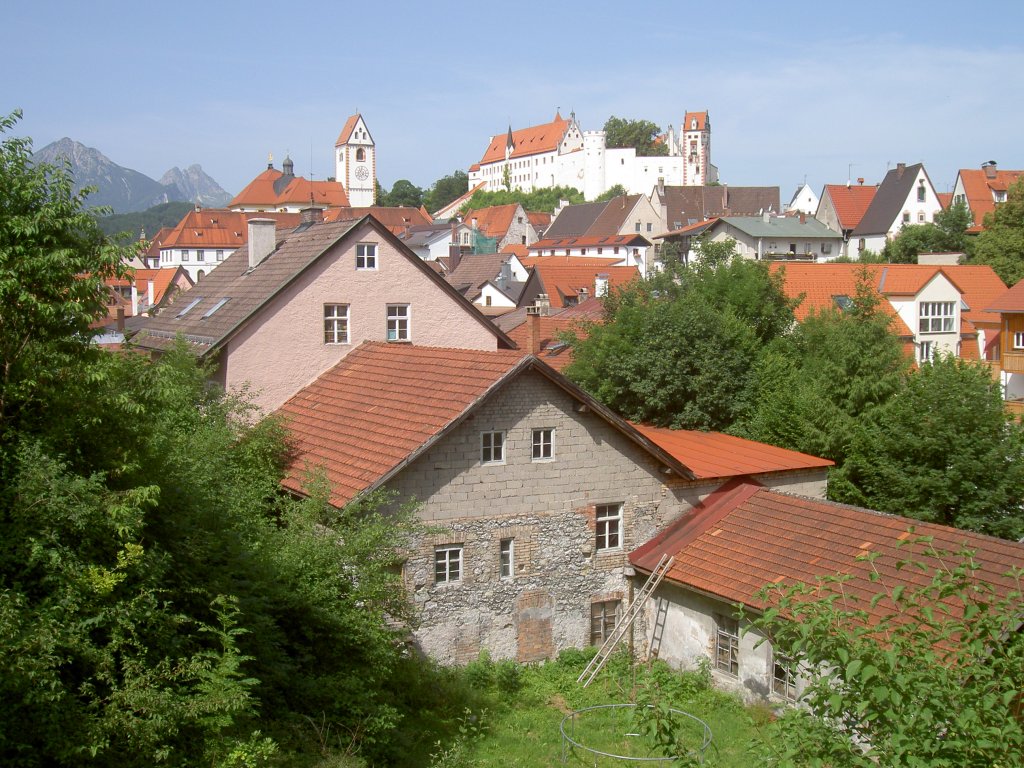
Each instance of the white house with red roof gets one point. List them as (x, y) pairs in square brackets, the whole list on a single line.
[(534, 492), (982, 189), (559, 153)]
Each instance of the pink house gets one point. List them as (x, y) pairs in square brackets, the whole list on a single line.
[(285, 308)]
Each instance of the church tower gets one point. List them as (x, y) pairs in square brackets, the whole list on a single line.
[(355, 162), (695, 138)]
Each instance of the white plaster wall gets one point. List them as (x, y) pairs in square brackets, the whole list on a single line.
[(498, 299), (282, 348), (937, 289)]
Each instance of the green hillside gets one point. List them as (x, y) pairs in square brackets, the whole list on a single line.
[(163, 215)]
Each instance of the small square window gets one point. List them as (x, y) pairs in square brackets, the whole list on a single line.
[(906, 217), (184, 255), (507, 555), (335, 323), (448, 564), (366, 256), (608, 525), (200, 255), (398, 322), (543, 444), (492, 447), (604, 616), (783, 677), (220, 255)]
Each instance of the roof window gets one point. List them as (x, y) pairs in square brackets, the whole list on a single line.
[(189, 308), (220, 303)]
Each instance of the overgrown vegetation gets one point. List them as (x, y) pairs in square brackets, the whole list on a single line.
[(146, 222), (543, 200)]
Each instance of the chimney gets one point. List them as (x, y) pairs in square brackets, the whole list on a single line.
[(533, 330), (454, 251), (803, 217), (150, 296), (120, 319), (990, 169), (860, 180), (601, 285), (900, 168), (135, 300), (505, 275), (661, 186), (262, 240), (311, 216), (766, 217), (582, 294)]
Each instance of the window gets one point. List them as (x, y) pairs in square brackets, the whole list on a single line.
[(398, 322), (1018, 340), (906, 217), (638, 226), (335, 323), (492, 447), (783, 677), (366, 256), (936, 317), (826, 248), (603, 617), (650, 227), (220, 255), (448, 564), (507, 555), (543, 444), (200, 255), (926, 352), (487, 301), (727, 644), (360, 155), (184, 255), (920, 217), (921, 192), (608, 519)]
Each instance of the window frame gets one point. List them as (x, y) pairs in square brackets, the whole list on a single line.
[(368, 259), (727, 645), (448, 564), (334, 321), (1018, 340), (398, 327), (608, 527), (931, 314), (506, 558), (783, 681), (543, 444), (600, 629), (492, 451)]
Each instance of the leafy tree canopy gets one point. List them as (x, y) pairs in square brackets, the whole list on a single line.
[(1001, 243), (404, 192), (545, 200), (641, 135), (678, 348), (609, 194), (446, 189), (942, 450), (935, 681), (814, 386), (947, 234), (149, 221)]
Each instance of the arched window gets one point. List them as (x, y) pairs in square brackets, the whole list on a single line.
[(360, 155)]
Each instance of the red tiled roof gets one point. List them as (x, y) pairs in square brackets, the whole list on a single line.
[(850, 203), (220, 228), (945, 199), (564, 279), (577, 242), (528, 141), (980, 287), (539, 218), (450, 209), (346, 130), (298, 192), (714, 454), (978, 189), (396, 219), (1010, 300), (342, 423), (493, 221), (701, 117), (551, 350), (518, 249), (745, 536)]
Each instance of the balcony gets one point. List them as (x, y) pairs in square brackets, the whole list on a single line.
[(1013, 361)]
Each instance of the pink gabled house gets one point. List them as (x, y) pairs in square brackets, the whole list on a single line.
[(287, 307)]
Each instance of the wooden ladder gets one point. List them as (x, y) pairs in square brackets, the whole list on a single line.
[(618, 632)]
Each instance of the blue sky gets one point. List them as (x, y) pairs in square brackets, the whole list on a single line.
[(793, 90)]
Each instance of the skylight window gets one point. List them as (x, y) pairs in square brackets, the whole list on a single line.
[(215, 307), (843, 302), (189, 308)]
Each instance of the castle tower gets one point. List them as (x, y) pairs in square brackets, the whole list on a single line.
[(355, 162), (695, 133)]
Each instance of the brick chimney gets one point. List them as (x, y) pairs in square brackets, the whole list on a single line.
[(900, 168), (311, 216), (533, 330), (262, 240), (990, 169), (803, 217)]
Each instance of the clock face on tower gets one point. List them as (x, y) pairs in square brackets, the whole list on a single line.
[(362, 173)]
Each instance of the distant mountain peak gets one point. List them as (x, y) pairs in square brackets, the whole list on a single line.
[(126, 190)]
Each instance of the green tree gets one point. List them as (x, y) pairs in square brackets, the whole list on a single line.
[(679, 348), (1001, 243), (816, 385), (546, 199), (942, 450), (933, 679), (947, 234), (611, 193), (641, 135), (404, 192), (446, 189)]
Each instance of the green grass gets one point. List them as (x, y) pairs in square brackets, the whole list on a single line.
[(520, 725)]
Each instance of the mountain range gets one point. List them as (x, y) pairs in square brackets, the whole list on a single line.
[(125, 190)]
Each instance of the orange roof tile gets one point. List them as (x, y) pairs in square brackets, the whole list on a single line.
[(980, 287), (745, 536), (220, 228), (978, 188), (528, 141), (701, 118), (539, 218), (563, 280), (518, 249), (551, 350), (493, 221), (346, 130), (945, 199), (850, 202), (1010, 300), (714, 454), (272, 189), (396, 219), (595, 240)]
